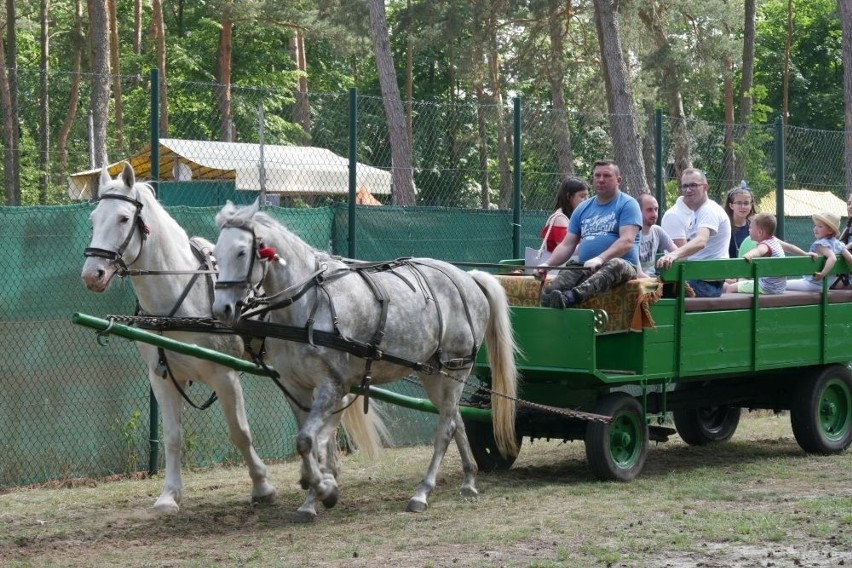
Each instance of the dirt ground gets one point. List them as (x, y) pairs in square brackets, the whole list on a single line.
[(755, 501)]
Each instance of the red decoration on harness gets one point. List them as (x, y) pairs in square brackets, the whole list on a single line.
[(146, 229), (267, 253)]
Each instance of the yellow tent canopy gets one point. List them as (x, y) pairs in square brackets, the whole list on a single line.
[(804, 203), (284, 170)]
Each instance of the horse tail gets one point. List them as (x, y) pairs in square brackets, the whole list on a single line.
[(366, 431), (501, 357)]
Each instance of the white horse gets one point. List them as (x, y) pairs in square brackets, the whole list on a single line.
[(132, 234), (338, 326)]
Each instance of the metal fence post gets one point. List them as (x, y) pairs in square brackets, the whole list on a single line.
[(516, 182), (154, 409), (353, 164), (779, 176)]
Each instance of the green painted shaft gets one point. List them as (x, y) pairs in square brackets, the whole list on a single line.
[(136, 334)]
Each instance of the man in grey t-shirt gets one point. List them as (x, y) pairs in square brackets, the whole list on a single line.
[(653, 238)]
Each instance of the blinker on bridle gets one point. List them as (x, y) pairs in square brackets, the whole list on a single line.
[(116, 255)]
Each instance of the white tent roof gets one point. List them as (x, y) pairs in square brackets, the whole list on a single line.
[(287, 170), (804, 203)]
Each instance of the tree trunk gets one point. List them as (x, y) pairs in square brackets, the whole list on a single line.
[(11, 138), (556, 18), (747, 83), (302, 107), (729, 168), (482, 131), (403, 183), (74, 98), (223, 74), (136, 77), (44, 104), (504, 133), (622, 119), (115, 68), (409, 78), (159, 32), (99, 45), (846, 24)]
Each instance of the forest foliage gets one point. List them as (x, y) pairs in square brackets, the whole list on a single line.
[(458, 65)]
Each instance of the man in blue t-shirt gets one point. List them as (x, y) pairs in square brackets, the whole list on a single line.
[(608, 227)]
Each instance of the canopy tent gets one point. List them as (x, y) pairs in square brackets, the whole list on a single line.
[(804, 203), (284, 170)]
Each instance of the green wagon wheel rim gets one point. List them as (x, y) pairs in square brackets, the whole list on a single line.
[(835, 410), (625, 439)]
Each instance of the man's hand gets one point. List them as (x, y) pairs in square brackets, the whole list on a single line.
[(540, 273), (593, 264), (666, 260)]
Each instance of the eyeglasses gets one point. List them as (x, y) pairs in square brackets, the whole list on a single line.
[(692, 185), (742, 203)]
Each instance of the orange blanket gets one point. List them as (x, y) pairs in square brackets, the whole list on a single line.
[(627, 306)]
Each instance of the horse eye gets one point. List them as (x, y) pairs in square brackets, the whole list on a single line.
[(123, 219)]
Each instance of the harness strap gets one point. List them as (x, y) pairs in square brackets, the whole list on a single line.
[(463, 300), (166, 371), (327, 339)]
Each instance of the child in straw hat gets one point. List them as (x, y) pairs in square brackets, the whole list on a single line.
[(826, 229)]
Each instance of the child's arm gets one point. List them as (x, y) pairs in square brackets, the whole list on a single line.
[(791, 248), (830, 259), (760, 250)]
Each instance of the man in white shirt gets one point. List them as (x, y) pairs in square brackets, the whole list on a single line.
[(676, 222), (709, 235)]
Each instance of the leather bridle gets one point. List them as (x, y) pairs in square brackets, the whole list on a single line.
[(117, 256)]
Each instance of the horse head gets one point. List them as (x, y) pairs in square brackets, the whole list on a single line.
[(239, 258), (118, 231)]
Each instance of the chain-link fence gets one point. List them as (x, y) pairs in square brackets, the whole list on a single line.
[(73, 408)]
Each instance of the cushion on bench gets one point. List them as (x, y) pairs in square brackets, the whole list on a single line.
[(626, 306)]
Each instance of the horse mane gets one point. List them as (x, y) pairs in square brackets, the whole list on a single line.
[(249, 216)]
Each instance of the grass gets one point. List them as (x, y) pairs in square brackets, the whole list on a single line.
[(753, 500)]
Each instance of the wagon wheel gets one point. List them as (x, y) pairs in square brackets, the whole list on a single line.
[(480, 436), (701, 426), (617, 451), (821, 412)]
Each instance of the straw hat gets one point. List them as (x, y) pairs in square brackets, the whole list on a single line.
[(830, 220)]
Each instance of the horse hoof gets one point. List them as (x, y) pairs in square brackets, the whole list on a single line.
[(304, 517), (415, 506), (170, 508), (331, 499), (469, 492), (267, 499)]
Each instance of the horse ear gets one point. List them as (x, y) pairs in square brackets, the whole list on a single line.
[(254, 207), (128, 176), (226, 213), (105, 179)]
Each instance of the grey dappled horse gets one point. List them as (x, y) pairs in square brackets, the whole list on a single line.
[(349, 322), (132, 234)]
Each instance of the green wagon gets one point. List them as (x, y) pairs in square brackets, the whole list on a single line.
[(701, 363)]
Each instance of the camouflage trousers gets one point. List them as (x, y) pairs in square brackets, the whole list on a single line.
[(584, 285)]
